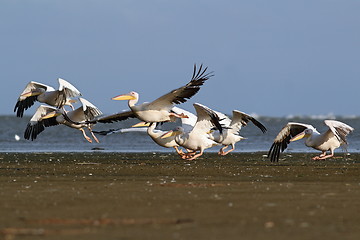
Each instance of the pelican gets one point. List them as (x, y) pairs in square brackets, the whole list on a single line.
[(169, 142), (159, 110), (198, 138), (47, 116), (232, 126), (330, 140), (35, 91), (156, 134)]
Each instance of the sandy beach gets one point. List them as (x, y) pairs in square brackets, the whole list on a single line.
[(98, 195)]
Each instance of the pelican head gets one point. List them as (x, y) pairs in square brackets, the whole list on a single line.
[(306, 133), (172, 133), (128, 96)]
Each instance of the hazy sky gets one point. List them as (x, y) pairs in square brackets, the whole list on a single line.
[(273, 58)]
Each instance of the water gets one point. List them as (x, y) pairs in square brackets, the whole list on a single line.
[(64, 139)]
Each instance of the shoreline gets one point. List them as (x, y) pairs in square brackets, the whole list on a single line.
[(160, 196)]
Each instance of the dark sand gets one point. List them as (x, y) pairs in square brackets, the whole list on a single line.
[(159, 196)]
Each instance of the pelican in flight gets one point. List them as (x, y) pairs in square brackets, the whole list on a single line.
[(169, 142), (47, 116), (232, 126), (159, 110), (156, 134), (198, 138), (35, 91), (330, 140)]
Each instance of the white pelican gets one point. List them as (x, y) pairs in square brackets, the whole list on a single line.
[(47, 116), (327, 141), (159, 110), (156, 134), (169, 142), (35, 91), (232, 126), (198, 138)]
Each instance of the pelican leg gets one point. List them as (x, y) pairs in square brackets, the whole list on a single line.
[(180, 152), (86, 137), (196, 155), (323, 156), (182, 115), (93, 135), (221, 151), (232, 149), (189, 154)]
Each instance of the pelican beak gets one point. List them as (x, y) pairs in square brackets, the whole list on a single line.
[(298, 137), (124, 97), (50, 115), (170, 133), (141, 124)]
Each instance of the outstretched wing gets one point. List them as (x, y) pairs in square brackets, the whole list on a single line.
[(283, 138), (207, 119), (90, 110), (37, 124), (339, 129), (182, 94), (25, 101), (115, 117), (240, 119), (65, 92), (186, 123)]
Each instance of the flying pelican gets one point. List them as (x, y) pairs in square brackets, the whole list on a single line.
[(47, 116), (333, 138), (198, 138), (169, 142), (156, 134), (232, 126), (35, 91), (159, 110)]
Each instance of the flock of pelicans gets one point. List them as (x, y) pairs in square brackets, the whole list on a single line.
[(198, 132)]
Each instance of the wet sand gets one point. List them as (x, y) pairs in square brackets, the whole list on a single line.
[(158, 196)]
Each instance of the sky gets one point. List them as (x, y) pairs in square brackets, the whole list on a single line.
[(272, 58)]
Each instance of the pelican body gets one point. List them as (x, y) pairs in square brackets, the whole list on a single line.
[(35, 91), (160, 110), (232, 127), (330, 140), (47, 116), (198, 138)]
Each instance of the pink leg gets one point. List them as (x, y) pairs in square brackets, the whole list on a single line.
[(224, 153), (323, 156), (86, 137), (196, 155), (182, 115), (93, 135), (180, 152), (221, 151)]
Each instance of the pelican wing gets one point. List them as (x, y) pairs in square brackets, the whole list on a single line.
[(24, 102), (207, 119), (187, 123), (90, 110), (68, 89), (240, 119), (339, 129), (182, 94), (224, 119), (37, 125), (283, 138), (116, 117)]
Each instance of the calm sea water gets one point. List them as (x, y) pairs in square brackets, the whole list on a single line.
[(64, 139)]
